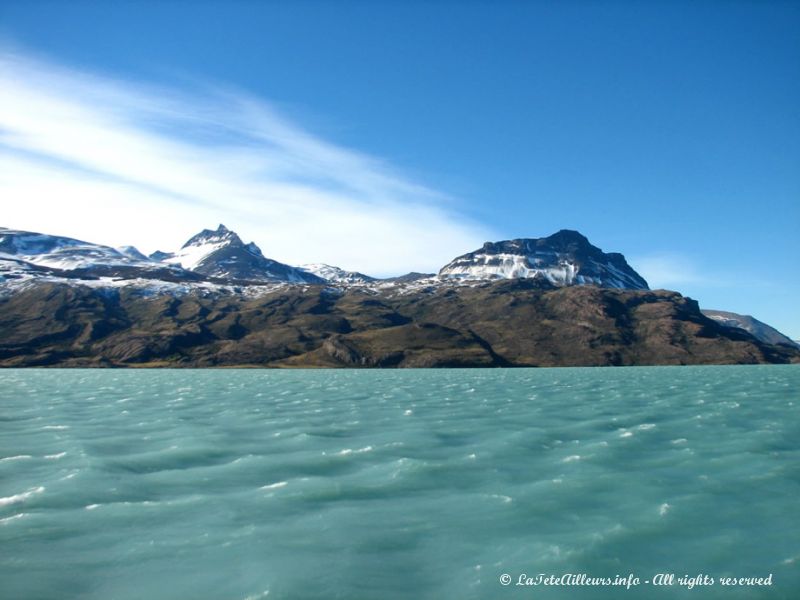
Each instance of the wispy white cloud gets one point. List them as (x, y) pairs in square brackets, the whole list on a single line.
[(124, 163)]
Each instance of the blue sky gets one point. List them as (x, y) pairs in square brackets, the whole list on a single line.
[(388, 137)]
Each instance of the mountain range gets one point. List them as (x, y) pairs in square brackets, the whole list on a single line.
[(220, 256), (549, 301)]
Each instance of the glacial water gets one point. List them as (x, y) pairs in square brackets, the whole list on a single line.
[(433, 484)]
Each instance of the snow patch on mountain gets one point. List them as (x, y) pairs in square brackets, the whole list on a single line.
[(336, 274), (203, 245), (564, 258), (191, 257), (220, 253), (60, 252)]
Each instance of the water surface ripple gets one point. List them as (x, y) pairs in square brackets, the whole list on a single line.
[(429, 484)]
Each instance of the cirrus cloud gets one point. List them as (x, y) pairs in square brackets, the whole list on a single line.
[(117, 162)]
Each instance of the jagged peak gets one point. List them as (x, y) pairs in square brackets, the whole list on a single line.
[(220, 234), (253, 249)]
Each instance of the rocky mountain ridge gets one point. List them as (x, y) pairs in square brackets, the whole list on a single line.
[(508, 323), (220, 256), (218, 301)]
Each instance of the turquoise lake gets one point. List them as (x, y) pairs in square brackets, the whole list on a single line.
[(418, 484)]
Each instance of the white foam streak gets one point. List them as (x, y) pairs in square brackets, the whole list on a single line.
[(7, 520), (17, 457), (503, 498), (8, 500), (274, 486), (348, 451)]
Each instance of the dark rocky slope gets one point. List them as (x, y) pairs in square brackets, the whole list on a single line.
[(505, 323)]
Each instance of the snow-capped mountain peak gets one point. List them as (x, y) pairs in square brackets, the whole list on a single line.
[(221, 254), (59, 252), (202, 245), (336, 274), (220, 235), (564, 258)]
